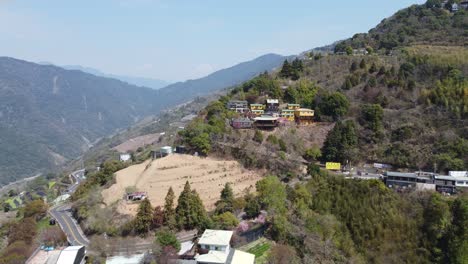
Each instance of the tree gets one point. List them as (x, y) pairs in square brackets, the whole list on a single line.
[(381, 70), (226, 203), (158, 217), (373, 68), (349, 50), (283, 254), (436, 216), (282, 145), (183, 213), (353, 67), (313, 169), (252, 206), (286, 69), (190, 212), (271, 194), (334, 104), (169, 211), (225, 220), (362, 64), (340, 143), (258, 136), (36, 209), (457, 241), (144, 218), (167, 238), (313, 153), (372, 116), (433, 3), (23, 230), (202, 143)]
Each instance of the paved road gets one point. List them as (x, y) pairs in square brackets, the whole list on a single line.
[(77, 176), (69, 226), (62, 215)]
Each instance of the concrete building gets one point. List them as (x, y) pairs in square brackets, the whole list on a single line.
[(272, 105), (217, 245), (125, 157), (72, 255), (238, 106), (240, 123)]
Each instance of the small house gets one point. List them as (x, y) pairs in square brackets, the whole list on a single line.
[(238, 106), (125, 157), (216, 244), (257, 107), (293, 106), (240, 123), (272, 105), (287, 114), (454, 8), (136, 196), (304, 116), (166, 150), (445, 184)]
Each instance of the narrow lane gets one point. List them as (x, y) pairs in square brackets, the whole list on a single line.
[(62, 215)]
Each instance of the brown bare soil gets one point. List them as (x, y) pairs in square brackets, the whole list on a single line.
[(206, 175), (134, 143)]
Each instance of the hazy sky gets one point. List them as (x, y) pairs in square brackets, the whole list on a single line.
[(177, 39)]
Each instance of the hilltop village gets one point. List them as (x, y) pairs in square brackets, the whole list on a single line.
[(269, 115)]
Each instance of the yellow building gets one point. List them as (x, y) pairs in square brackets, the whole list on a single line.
[(293, 106), (288, 114), (258, 112), (257, 107), (304, 116)]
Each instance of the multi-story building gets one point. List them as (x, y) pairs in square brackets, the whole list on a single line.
[(216, 244), (304, 116), (293, 106), (287, 114), (238, 106), (272, 105)]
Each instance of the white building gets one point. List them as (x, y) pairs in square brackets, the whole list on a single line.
[(72, 255), (461, 178), (125, 157), (220, 251)]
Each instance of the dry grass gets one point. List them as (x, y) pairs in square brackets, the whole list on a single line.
[(206, 175)]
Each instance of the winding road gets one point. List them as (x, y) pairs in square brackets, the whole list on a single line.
[(62, 214)]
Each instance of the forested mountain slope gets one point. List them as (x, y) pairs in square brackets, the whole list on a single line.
[(404, 104), (49, 114)]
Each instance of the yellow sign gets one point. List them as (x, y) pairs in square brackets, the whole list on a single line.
[(333, 166)]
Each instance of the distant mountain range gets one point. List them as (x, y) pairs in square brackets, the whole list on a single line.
[(49, 115), (138, 81), (223, 78)]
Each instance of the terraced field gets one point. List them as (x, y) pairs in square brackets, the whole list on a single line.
[(260, 248)]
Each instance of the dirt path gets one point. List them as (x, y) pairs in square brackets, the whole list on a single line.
[(206, 175)]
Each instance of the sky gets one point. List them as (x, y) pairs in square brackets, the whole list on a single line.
[(176, 40)]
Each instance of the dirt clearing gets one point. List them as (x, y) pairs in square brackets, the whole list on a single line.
[(206, 175)]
